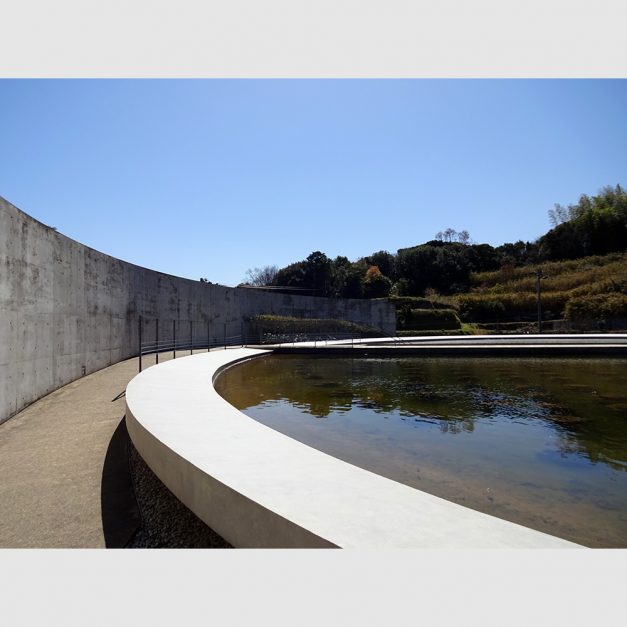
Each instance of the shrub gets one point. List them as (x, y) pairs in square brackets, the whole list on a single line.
[(420, 319), (479, 307), (562, 274), (612, 305), (487, 307), (415, 302), (266, 324)]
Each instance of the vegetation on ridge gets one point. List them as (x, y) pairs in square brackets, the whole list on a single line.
[(273, 328), (582, 257)]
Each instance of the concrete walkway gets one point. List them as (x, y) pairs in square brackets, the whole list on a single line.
[(52, 457)]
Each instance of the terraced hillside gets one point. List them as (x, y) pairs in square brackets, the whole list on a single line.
[(588, 290)]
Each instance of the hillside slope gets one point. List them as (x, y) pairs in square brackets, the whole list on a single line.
[(581, 289)]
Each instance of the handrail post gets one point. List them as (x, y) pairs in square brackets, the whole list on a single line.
[(140, 342)]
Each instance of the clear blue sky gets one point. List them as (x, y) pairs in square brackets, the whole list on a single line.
[(211, 177)]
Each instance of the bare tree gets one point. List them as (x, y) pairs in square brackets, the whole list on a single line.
[(451, 235), (259, 277), (463, 237), (558, 215)]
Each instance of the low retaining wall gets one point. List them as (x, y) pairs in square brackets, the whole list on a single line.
[(553, 346), (67, 310), (259, 488)]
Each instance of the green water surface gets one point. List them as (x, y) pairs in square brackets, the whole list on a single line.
[(540, 442)]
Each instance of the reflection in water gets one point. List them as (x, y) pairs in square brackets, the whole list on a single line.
[(539, 442)]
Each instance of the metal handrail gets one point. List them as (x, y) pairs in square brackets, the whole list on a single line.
[(175, 342)]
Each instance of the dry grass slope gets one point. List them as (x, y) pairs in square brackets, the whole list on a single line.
[(586, 288)]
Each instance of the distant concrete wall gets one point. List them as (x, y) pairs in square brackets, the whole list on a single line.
[(67, 310)]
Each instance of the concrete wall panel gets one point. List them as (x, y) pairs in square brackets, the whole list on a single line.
[(65, 307)]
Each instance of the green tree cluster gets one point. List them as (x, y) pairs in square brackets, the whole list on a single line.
[(594, 226), (437, 265)]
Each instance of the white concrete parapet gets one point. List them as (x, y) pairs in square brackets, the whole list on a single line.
[(259, 488)]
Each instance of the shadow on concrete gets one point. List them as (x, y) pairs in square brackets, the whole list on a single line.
[(120, 513)]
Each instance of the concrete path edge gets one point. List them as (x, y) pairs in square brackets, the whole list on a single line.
[(259, 488)]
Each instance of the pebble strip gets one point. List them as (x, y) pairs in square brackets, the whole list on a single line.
[(166, 522)]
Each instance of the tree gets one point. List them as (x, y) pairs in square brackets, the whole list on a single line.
[(261, 277), (451, 235), (293, 275), (593, 226), (481, 257), (376, 285), (517, 254), (445, 267), (416, 266), (348, 277), (463, 237), (385, 261), (558, 215), (314, 273), (319, 273)]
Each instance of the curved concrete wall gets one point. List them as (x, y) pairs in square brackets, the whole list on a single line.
[(257, 487), (67, 310)]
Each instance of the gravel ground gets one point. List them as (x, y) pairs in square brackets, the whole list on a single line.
[(166, 522)]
